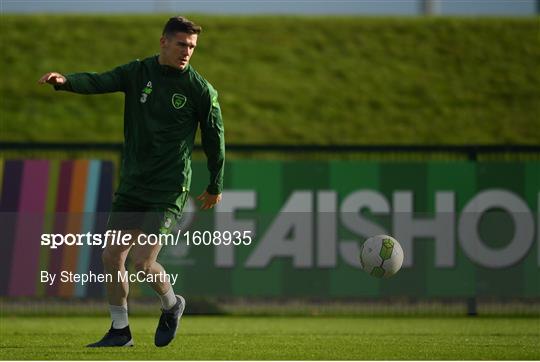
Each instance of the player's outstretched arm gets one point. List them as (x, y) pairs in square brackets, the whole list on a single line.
[(208, 200), (52, 78), (91, 82)]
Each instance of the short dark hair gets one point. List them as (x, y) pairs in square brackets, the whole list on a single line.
[(179, 24)]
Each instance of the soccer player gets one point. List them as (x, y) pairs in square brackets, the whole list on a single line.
[(166, 100)]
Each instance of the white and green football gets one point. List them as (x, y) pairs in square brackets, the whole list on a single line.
[(381, 256)]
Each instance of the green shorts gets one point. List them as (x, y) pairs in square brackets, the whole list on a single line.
[(150, 211)]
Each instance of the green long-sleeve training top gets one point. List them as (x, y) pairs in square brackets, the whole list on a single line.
[(163, 108)]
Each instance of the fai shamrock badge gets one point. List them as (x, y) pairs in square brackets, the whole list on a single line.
[(178, 100)]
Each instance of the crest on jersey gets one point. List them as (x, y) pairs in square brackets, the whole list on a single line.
[(178, 100)]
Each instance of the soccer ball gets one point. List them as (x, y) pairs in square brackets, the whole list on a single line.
[(381, 256)]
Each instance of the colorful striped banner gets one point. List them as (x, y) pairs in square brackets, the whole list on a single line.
[(9, 203), (25, 257), (75, 196), (104, 200), (90, 202), (49, 196), (1, 172), (60, 222), (50, 204), (74, 221)]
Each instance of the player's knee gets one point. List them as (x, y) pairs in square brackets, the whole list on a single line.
[(112, 259), (144, 265)]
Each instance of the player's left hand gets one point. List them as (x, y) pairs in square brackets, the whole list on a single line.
[(208, 200)]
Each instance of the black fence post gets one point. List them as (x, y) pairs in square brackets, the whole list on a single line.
[(472, 304)]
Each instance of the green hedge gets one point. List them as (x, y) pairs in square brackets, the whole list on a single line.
[(292, 79)]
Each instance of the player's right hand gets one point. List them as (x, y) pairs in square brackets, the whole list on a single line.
[(52, 78)]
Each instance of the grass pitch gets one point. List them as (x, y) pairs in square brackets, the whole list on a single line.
[(279, 338)]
